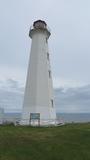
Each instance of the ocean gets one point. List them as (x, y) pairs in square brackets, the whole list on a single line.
[(74, 117)]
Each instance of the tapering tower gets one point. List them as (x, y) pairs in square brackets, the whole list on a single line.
[(38, 98)]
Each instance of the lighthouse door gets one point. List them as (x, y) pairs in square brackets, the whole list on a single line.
[(35, 119)]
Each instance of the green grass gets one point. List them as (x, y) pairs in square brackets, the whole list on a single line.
[(68, 142)]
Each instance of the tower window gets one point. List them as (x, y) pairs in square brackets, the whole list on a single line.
[(49, 73), (47, 55), (52, 102), (46, 40)]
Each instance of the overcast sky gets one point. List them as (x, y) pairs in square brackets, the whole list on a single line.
[(69, 43)]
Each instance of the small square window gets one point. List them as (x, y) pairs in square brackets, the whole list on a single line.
[(46, 40), (47, 55), (49, 73), (52, 102)]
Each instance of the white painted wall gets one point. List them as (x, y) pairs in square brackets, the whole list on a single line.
[(39, 90)]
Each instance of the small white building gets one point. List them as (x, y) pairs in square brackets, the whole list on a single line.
[(38, 98), (1, 115)]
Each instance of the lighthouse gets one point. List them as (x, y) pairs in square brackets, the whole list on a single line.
[(38, 105)]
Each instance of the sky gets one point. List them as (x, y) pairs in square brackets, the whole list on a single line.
[(69, 47)]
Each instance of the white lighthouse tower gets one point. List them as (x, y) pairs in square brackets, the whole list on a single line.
[(38, 98)]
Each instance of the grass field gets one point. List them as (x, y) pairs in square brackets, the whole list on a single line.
[(68, 142)]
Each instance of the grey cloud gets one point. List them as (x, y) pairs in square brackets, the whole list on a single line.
[(11, 101), (66, 100), (11, 85), (73, 99), (11, 95)]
